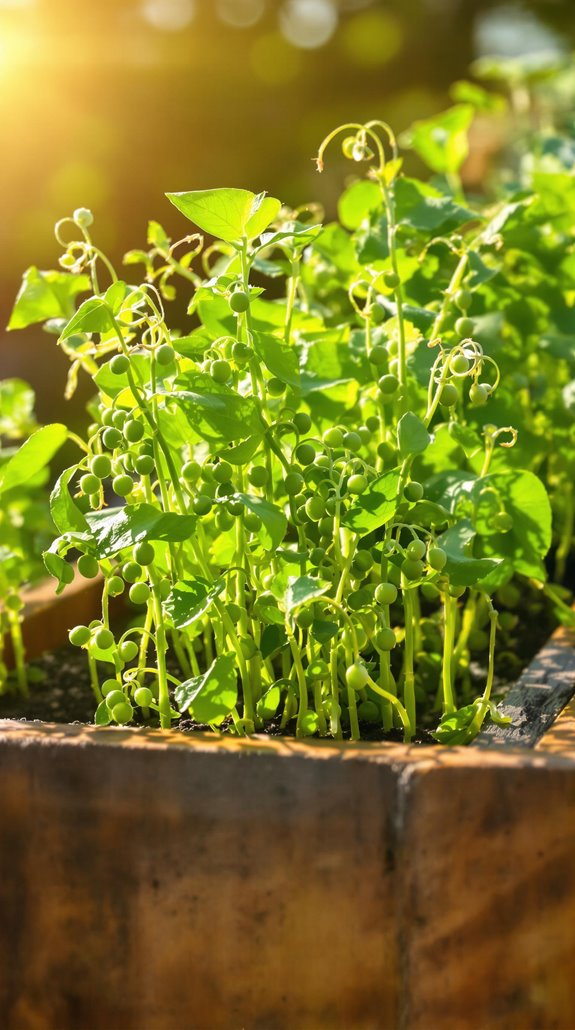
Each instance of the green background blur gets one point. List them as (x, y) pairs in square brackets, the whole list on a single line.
[(109, 103)]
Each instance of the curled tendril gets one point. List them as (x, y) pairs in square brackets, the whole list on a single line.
[(494, 436), (364, 137), (353, 293)]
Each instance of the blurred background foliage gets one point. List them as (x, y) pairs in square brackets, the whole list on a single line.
[(107, 104)]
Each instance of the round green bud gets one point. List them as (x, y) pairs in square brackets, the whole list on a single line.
[(144, 553), (356, 676), (119, 364), (79, 635), (122, 485), (464, 326), (122, 713), (502, 521), (139, 593), (388, 385), (357, 483), (220, 370), (258, 476), (385, 639), (128, 650), (436, 558), (239, 302), (385, 593), (133, 430), (333, 438), (131, 571), (83, 217), (88, 566), (305, 453), (378, 355), (302, 422), (115, 586), (89, 484), (415, 549), (412, 568), (202, 504), (223, 472), (459, 364), (101, 466), (463, 299), (448, 395), (294, 483), (413, 491), (115, 696), (104, 639), (111, 438), (144, 464), (479, 394), (143, 697), (352, 442), (165, 354)]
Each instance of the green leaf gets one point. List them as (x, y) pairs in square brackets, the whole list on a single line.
[(103, 716), (268, 705), (35, 454), (274, 522), (323, 630), (211, 696), (357, 203), (424, 208), (458, 727), (93, 316), (442, 142), (272, 640), (463, 567), (228, 214), (412, 435), (214, 411), (16, 408), (376, 506), (190, 599), (301, 589), (116, 528), (523, 496), (45, 295), (280, 359), (65, 513)]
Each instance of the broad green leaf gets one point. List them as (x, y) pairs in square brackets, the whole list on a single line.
[(93, 316), (35, 454), (523, 496), (228, 214), (65, 513), (103, 715), (58, 567), (357, 203), (214, 411), (45, 295), (323, 630), (114, 529), (424, 208), (272, 640), (301, 589), (442, 142), (274, 522), (412, 435), (16, 408), (463, 566), (211, 696), (190, 599), (280, 359), (242, 452), (376, 506), (268, 705)]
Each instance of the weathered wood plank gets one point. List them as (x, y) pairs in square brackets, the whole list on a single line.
[(538, 697)]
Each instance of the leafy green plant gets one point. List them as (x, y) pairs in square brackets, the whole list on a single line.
[(25, 525), (312, 496)]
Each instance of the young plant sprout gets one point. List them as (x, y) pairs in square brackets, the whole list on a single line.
[(309, 502)]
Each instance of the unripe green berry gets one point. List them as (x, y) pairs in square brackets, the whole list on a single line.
[(119, 364), (252, 522), (391, 279), (413, 491), (302, 422), (412, 568), (104, 639), (239, 302), (437, 558), (128, 650), (144, 553), (139, 593), (356, 676), (464, 326), (385, 593), (378, 355), (357, 483), (165, 354), (305, 453), (101, 466), (131, 571), (89, 484), (388, 385), (258, 476), (115, 696), (79, 635), (294, 483), (144, 464), (315, 508), (220, 370), (333, 438), (352, 442), (122, 485), (479, 394), (88, 566), (448, 395), (415, 549), (115, 586), (133, 430), (385, 639), (143, 697), (111, 438), (122, 713)]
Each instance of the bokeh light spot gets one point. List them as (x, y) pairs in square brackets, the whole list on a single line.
[(308, 23), (241, 14), (273, 60), (372, 38), (169, 15)]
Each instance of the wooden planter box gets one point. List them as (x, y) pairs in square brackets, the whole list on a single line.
[(155, 881)]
